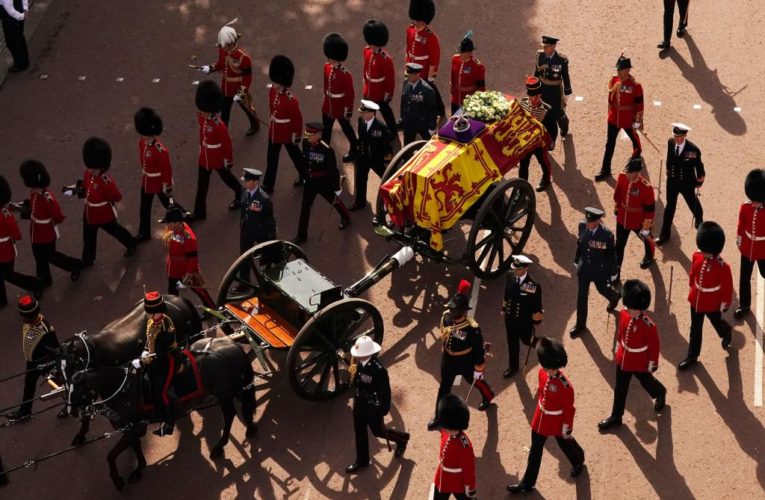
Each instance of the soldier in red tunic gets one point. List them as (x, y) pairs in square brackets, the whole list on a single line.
[(9, 235), (101, 194), (422, 45), (379, 73), (750, 237), (215, 153), (711, 289), (339, 97), (634, 205), (625, 112), (157, 178), (637, 352), (468, 73), (286, 123), (236, 66), (554, 414), (455, 473), (44, 214), (182, 256)]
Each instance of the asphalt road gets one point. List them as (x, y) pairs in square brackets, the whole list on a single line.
[(95, 63)]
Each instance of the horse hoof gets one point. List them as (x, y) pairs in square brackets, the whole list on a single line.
[(216, 452), (135, 476), (78, 440), (119, 483), (252, 429)]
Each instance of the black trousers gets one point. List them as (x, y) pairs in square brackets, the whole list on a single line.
[(553, 95), (411, 133), (543, 157), (225, 112), (437, 495), (324, 189), (569, 447), (697, 322), (345, 126), (203, 184), (90, 238), (46, 254), (23, 281), (30, 385), (159, 371), (272, 162), (622, 234), (516, 332), (583, 292), (202, 293), (689, 195), (376, 423), (449, 371), (652, 386), (361, 168), (144, 224), (387, 115), (15, 40), (745, 278), (608, 154), (669, 14)]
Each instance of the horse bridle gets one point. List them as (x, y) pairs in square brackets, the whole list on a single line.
[(98, 406), (84, 337)]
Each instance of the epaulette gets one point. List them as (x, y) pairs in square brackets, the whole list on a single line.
[(563, 379), (264, 194), (215, 118), (647, 320), (540, 51), (427, 28), (464, 440), (720, 260), (106, 178), (159, 146), (5, 212), (473, 322), (48, 196), (476, 61)]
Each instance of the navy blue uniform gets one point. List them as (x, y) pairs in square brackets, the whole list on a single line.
[(595, 262)]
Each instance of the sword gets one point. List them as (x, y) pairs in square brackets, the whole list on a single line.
[(669, 295), (470, 390), (661, 170), (649, 141), (528, 352), (194, 66), (613, 345)]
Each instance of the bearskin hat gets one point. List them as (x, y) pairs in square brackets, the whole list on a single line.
[(453, 413), (209, 98), (335, 47), (422, 10), (5, 192), (754, 185), (551, 353), (636, 295), (281, 71), (34, 174), (97, 154), (710, 237), (376, 33), (147, 122)]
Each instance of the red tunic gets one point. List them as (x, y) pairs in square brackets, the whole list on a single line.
[(625, 101), (101, 194), (711, 283), (467, 77), (286, 125), (214, 142), (46, 214), (750, 235), (155, 163), (182, 258), (638, 346), (237, 70), (9, 235), (379, 75), (555, 405), (422, 47), (339, 96), (635, 203), (456, 466)]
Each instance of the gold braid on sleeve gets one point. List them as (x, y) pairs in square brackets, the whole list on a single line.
[(152, 332)]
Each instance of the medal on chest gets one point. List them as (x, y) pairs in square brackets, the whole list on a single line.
[(459, 334)]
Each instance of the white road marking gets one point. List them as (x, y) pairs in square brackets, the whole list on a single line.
[(195, 82), (308, 87), (432, 491), (657, 103), (120, 79), (737, 109), (155, 80), (697, 106), (81, 78), (760, 297), (579, 98), (43, 77)]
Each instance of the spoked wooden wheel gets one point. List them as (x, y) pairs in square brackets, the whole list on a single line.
[(244, 278), (319, 359), (404, 155), (501, 228)]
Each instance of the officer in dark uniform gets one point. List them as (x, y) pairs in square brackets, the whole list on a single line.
[(323, 179), (552, 71), (669, 14), (374, 148), (418, 106), (371, 402), (685, 174), (522, 309), (40, 344), (595, 262), (463, 350), (257, 223)]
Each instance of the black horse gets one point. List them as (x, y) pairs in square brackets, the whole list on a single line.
[(224, 371)]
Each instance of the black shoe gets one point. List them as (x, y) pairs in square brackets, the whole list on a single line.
[(235, 205), (551, 146), (355, 467), (298, 182), (18, 416), (576, 470), (727, 338), (509, 372), (543, 184), (75, 274), (17, 69), (609, 422), (164, 430), (681, 31), (661, 240), (344, 223), (658, 405), (130, 251), (251, 131), (663, 45), (576, 331), (297, 240), (646, 262), (687, 363), (401, 447), (433, 424), (697, 223), (62, 414), (485, 404), (741, 312), (519, 488), (358, 206), (349, 156), (602, 175), (140, 238)]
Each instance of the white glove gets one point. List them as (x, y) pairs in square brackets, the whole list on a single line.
[(644, 233), (652, 367), (136, 363), (738, 241), (145, 354), (637, 125), (566, 434), (238, 98), (337, 193), (613, 278), (477, 375), (206, 69)]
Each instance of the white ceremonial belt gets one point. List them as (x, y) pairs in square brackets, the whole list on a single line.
[(377, 80), (153, 174), (281, 120), (421, 58), (211, 146), (754, 238), (99, 204), (546, 412), (702, 289), (453, 470), (3, 240), (335, 96), (41, 221), (629, 349)]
